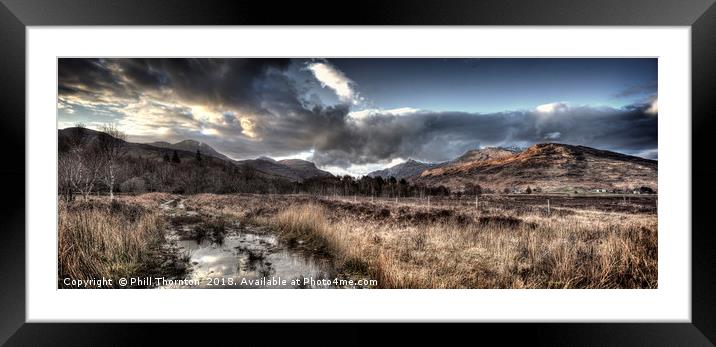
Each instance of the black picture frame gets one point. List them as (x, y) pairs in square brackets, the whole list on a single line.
[(16, 15)]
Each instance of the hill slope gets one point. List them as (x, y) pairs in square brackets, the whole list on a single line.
[(295, 170), (407, 169), (304, 169), (292, 170), (191, 146), (489, 153), (413, 168), (550, 166)]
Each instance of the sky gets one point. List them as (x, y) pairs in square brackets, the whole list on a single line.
[(356, 115)]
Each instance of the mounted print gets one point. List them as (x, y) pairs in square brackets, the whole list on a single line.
[(357, 173), (394, 163)]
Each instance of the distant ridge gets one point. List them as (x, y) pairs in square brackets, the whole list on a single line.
[(413, 168), (404, 170), (191, 146), (549, 166), (295, 170)]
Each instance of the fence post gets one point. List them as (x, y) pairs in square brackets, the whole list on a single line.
[(549, 211)]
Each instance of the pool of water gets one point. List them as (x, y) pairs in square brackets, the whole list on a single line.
[(248, 258)]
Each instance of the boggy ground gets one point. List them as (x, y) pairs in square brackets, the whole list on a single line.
[(155, 235), (495, 242)]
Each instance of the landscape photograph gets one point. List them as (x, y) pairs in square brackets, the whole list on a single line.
[(357, 173)]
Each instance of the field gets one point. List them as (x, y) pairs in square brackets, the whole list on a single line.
[(492, 241)]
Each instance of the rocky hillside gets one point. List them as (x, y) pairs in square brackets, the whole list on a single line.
[(413, 168), (489, 153), (549, 166)]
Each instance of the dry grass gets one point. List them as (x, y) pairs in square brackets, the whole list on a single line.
[(307, 223), (465, 248), (449, 244), (99, 239)]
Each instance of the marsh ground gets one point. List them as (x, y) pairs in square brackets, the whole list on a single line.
[(494, 241)]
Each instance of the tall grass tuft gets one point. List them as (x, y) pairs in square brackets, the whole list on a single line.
[(105, 240), (305, 223)]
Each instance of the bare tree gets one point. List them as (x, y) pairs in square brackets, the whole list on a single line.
[(111, 149), (79, 166), (65, 174)]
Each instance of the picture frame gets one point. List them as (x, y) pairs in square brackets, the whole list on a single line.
[(16, 16)]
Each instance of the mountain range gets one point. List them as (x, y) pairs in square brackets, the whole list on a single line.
[(552, 167), (407, 169), (295, 170), (190, 146)]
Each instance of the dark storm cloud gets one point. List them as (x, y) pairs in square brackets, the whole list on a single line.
[(91, 80), (221, 82), (91, 73), (253, 108), (228, 82), (443, 136), (141, 72), (339, 139)]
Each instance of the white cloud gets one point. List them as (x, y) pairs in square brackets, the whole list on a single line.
[(305, 155), (331, 77), (357, 170), (653, 107), (209, 131), (367, 113), (553, 135), (248, 127), (553, 107)]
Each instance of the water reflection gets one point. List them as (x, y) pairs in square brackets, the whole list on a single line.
[(248, 257)]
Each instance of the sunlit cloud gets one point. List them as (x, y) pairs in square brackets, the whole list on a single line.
[(247, 127), (653, 108), (553, 107), (331, 77), (209, 132)]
